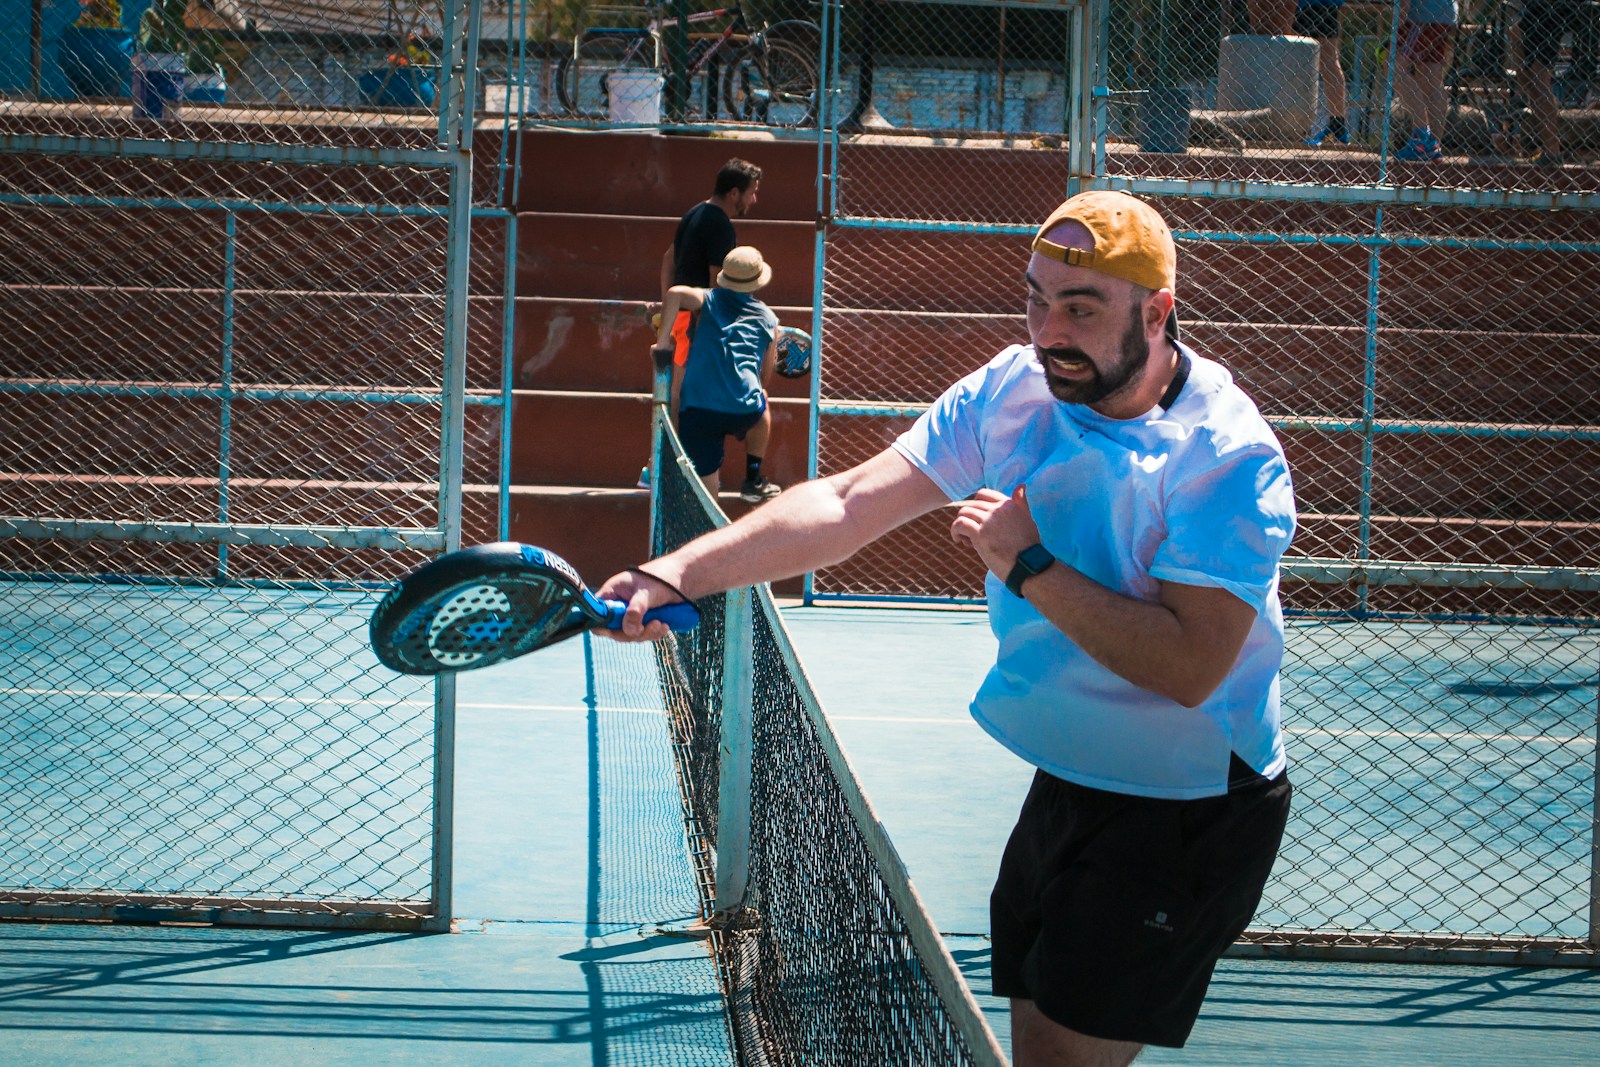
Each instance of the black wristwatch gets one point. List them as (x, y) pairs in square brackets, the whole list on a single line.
[(1030, 561)]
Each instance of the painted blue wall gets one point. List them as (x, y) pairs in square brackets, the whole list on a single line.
[(16, 20)]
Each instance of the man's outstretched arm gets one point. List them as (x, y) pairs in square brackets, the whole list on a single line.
[(812, 525)]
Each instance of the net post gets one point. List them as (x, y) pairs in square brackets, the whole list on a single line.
[(662, 389), (737, 745), (1594, 841)]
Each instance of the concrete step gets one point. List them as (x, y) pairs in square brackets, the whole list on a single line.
[(610, 257), (1512, 478), (1430, 374), (600, 531), (602, 439), (346, 340), (647, 174), (1433, 288), (570, 344), (187, 250)]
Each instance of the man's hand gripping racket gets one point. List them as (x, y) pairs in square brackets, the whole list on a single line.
[(484, 605)]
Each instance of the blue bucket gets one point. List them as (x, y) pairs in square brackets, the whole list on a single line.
[(411, 86), (158, 85)]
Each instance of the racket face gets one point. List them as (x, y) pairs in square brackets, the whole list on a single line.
[(794, 352), (478, 607)]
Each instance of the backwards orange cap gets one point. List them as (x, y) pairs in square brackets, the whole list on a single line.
[(1131, 241)]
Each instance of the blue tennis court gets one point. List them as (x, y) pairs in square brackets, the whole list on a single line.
[(573, 881)]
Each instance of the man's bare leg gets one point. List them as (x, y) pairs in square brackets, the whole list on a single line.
[(1038, 1042)]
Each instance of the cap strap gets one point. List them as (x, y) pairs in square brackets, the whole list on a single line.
[(1076, 257)]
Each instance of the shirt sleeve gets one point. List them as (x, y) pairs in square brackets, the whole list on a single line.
[(946, 441), (1227, 526)]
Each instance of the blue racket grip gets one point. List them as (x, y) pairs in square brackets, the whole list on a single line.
[(680, 616)]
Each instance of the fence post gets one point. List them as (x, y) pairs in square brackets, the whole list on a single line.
[(1594, 841), (737, 748)]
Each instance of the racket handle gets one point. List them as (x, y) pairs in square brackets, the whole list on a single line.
[(680, 616)]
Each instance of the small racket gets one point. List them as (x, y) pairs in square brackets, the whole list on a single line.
[(794, 352), (484, 605)]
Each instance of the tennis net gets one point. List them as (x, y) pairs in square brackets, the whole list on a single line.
[(826, 953)]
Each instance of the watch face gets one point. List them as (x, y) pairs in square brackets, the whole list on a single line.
[(1036, 558)]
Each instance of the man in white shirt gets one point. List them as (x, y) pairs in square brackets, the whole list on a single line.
[(1131, 506)]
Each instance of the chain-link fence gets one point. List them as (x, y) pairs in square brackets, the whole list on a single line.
[(243, 389), (1419, 332)]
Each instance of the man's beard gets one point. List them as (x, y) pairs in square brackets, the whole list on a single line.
[(1133, 354)]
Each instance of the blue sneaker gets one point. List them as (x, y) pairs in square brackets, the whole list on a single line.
[(1326, 133), (1423, 147)]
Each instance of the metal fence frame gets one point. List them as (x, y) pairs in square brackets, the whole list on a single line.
[(452, 157)]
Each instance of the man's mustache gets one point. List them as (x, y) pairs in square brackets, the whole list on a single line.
[(1077, 354)]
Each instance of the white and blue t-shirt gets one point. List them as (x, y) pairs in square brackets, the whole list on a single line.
[(1198, 494), (723, 372)]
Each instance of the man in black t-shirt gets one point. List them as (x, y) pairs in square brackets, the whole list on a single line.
[(705, 234)]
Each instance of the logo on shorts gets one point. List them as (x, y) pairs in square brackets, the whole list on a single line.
[(1159, 923)]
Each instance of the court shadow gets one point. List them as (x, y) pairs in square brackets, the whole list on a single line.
[(153, 986)]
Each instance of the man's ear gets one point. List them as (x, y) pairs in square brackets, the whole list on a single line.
[(1157, 306)]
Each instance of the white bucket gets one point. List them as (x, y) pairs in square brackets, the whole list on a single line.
[(633, 97), (1276, 73), (509, 98)]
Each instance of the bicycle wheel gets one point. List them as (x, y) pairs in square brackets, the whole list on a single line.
[(775, 83), (581, 75)]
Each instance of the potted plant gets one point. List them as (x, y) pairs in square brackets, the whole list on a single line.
[(407, 78), (94, 50), (177, 58)]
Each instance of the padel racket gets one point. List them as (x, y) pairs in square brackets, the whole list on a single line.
[(484, 605), (794, 352)]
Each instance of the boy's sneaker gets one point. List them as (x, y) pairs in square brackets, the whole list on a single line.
[(758, 490), (644, 479), (1326, 134)]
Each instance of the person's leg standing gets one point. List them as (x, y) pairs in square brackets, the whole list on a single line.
[(1542, 27), (703, 437), (756, 488), (1110, 912)]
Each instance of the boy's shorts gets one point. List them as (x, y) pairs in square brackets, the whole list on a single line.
[(703, 434), (1110, 911)]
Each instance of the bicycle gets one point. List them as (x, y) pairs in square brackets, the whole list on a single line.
[(767, 76)]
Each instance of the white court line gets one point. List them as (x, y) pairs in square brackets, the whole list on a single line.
[(237, 698), (246, 698), (1580, 739)]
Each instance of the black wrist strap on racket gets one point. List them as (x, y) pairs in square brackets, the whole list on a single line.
[(654, 578)]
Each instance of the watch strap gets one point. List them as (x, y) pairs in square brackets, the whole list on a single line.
[(1030, 561)]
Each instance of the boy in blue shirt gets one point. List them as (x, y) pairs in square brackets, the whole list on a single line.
[(731, 358)]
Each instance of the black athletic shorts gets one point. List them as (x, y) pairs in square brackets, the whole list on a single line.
[(1320, 21), (1111, 911), (1543, 24), (704, 432)]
